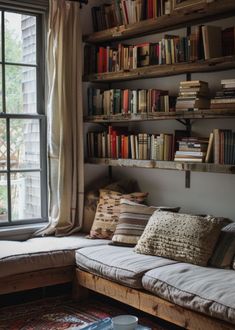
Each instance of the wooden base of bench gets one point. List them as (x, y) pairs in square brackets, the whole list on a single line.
[(149, 303), (37, 279)]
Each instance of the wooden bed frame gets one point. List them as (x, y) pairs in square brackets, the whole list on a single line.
[(83, 282), (148, 303)]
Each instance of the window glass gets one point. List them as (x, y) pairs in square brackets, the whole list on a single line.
[(20, 38)]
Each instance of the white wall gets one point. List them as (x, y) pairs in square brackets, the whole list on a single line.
[(209, 193)]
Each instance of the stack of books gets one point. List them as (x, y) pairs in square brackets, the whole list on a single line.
[(225, 98), (193, 95), (192, 149)]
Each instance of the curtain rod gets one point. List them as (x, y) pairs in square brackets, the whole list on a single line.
[(82, 2)]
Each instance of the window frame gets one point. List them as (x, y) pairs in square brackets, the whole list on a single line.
[(40, 115)]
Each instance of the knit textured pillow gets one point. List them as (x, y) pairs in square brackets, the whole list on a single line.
[(181, 237), (108, 210), (225, 248), (132, 221)]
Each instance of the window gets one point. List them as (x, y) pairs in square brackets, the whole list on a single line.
[(23, 184)]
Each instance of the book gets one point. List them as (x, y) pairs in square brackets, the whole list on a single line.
[(209, 152), (212, 41)]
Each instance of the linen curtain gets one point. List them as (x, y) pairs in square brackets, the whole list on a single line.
[(65, 119)]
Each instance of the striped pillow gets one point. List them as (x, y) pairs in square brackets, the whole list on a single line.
[(225, 249), (132, 221)]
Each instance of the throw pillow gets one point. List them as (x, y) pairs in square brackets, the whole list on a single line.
[(225, 248), (108, 210), (91, 198), (181, 237), (132, 221)]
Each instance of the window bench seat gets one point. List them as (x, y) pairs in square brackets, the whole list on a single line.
[(152, 284)]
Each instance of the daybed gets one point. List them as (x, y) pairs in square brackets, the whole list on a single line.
[(191, 296)]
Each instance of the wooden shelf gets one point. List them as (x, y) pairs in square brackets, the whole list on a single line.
[(155, 71), (200, 114), (176, 19), (164, 165)]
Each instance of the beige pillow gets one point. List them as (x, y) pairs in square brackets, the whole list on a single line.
[(181, 237), (132, 221), (91, 198), (108, 210)]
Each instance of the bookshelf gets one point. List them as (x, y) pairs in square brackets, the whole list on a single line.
[(164, 165), (200, 114), (165, 70), (211, 11)]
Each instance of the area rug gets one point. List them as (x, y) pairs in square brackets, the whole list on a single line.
[(64, 313)]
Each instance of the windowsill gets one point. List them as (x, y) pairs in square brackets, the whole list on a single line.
[(18, 233)]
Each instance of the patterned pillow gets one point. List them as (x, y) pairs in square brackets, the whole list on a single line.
[(132, 221), (225, 249), (181, 237), (108, 210), (91, 198)]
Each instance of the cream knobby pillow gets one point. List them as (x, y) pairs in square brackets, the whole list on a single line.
[(181, 237), (132, 221), (108, 210)]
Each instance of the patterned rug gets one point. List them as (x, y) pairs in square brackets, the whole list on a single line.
[(64, 313)]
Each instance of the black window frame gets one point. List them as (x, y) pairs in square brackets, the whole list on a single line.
[(41, 116)]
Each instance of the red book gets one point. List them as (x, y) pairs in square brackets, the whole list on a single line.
[(125, 100), (101, 60), (113, 144), (150, 8), (228, 41)]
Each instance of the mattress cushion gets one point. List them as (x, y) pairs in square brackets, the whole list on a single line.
[(119, 264), (207, 290), (41, 253)]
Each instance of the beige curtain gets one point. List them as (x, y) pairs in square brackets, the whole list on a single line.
[(65, 128)]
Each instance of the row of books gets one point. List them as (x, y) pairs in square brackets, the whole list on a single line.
[(208, 41), (225, 98), (126, 101), (204, 44), (224, 146), (123, 12), (117, 143)]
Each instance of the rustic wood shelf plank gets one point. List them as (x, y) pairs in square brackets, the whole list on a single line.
[(176, 19), (165, 165), (200, 114), (155, 71)]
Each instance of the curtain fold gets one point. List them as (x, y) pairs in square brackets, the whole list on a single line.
[(65, 119)]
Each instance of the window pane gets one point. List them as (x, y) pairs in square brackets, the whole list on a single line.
[(25, 196), (3, 198), (25, 143), (3, 145), (0, 35), (0, 87), (20, 89), (20, 38)]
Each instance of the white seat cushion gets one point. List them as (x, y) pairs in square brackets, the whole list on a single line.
[(207, 290), (119, 264), (41, 253)]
